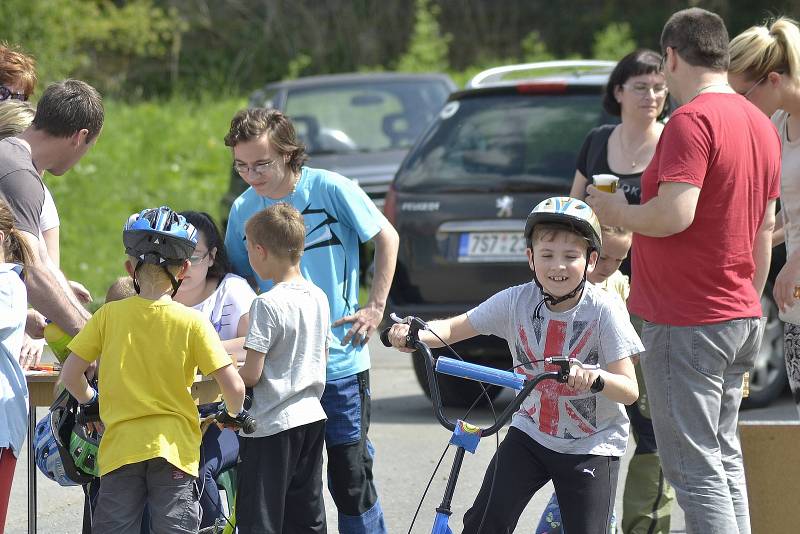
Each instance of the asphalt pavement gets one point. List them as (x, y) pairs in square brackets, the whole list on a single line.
[(408, 442)]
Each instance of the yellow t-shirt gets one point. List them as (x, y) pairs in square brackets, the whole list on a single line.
[(151, 351), (618, 284)]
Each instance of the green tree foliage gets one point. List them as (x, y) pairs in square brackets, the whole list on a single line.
[(614, 41), (534, 48), (428, 47), (98, 40), (134, 48)]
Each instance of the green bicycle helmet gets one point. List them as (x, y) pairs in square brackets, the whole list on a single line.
[(64, 451)]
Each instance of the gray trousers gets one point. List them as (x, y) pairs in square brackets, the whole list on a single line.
[(694, 381), (171, 496)]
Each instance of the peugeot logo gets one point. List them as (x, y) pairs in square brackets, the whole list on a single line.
[(504, 205)]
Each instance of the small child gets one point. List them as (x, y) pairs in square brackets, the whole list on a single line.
[(562, 432), (280, 474), (121, 289), (152, 348), (605, 275), (14, 255)]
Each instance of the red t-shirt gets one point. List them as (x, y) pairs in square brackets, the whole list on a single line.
[(730, 150)]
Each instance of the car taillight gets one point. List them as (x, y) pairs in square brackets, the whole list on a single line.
[(390, 204), (541, 88)]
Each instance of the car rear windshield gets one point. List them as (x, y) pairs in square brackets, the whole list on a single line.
[(502, 142), (364, 117)]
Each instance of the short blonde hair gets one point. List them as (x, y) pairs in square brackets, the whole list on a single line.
[(772, 47), (280, 230), (122, 288), (149, 273), (615, 230), (15, 117)]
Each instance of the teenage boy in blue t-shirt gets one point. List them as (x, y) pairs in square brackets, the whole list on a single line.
[(338, 217)]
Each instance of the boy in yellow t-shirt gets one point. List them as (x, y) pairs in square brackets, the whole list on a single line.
[(152, 348)]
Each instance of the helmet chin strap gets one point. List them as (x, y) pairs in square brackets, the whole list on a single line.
[(547, 298), (172, 280)]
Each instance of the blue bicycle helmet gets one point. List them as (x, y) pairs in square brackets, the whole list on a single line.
[(64, 451), (159, 236)]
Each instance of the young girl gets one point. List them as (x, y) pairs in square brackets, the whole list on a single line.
[(14, 255)]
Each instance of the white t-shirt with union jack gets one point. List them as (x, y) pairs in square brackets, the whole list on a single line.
[(596, 331)]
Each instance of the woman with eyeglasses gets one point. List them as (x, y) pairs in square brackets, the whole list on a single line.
[(210, 287), (636, 92), (765, 69), (17, 74)]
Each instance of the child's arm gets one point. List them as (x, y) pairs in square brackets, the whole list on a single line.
[(74, 378), (235, 346), (232, 388), (252, 368), (620, 380), (450, 330)]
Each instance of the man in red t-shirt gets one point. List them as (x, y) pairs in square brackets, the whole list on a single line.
[(702, 249)]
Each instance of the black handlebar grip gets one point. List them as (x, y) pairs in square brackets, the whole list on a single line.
[(248, 424), (598, 385), (83, 418), (244, 421), (385, 337)]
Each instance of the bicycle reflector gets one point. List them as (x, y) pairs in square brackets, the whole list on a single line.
[(466, 435)]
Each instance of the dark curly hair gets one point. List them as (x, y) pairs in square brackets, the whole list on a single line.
[(205, 225)]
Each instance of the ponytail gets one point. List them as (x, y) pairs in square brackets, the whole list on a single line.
[(17, 249), (787, 34), (760, 50)]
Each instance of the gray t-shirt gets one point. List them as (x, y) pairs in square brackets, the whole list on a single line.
[(20, 184), (596, 330), (290, 324)]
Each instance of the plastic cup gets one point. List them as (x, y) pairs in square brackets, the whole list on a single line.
[(605, 182)]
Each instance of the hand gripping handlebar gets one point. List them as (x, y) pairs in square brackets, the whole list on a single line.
[(489, 375)]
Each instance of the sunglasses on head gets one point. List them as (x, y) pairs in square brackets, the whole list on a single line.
[(6, 94)]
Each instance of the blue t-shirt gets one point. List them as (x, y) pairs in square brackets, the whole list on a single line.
[(13, 388), (338, 215)]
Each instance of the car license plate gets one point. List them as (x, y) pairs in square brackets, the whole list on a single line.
[(491, 246)]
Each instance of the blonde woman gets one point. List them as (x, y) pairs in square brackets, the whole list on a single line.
[(765, 69)]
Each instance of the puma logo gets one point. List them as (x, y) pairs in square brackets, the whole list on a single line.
[(590, 471)]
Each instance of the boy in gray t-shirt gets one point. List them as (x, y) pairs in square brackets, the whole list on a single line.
[(562, 432), (287, 348)]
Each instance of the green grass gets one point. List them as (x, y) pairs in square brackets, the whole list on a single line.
[(148, 155)]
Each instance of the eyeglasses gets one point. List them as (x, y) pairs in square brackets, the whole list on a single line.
[(258, 168), (194, 260), (7, 94), (663, 62), (642, 89), (753, 87)]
